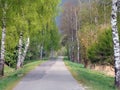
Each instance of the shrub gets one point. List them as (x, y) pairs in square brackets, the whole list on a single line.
[(102, 51)]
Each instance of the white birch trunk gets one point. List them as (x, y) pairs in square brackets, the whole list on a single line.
[(118, 5), (3, 43), (2, 54), (116, 42), (19, 52), (25, 51)]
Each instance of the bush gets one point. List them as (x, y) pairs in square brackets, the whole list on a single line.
[(10, 59), (102, 51)]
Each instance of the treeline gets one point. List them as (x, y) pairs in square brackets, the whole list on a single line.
[(87, 32), (28, 30), (91, 33)]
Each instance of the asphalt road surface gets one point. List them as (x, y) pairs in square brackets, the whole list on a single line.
[(51, 75)]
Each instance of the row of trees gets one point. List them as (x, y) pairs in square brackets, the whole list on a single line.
[(88, 35), (27, 26), (85, 25)]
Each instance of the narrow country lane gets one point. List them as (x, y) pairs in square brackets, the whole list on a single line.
[(52, 75)]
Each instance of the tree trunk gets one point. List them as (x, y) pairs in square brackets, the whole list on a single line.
[(70, 57), (41, 52), (72, 53), (116, 42), (19, 61), (2, 58), (105, 21), (68, 48), (118, 5), (2, 51), (72, 47), (52, 53), (77, 38), (25, 51), (90, 8)]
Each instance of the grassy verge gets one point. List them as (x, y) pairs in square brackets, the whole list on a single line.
[(9, 81), (7, 70), (93, 79)]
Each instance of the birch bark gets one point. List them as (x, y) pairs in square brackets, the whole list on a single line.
[(2, 58), (19, 61), (115, 42), (25, 51)]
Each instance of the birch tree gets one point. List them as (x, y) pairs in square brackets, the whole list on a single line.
[(19, 60), (116, 42), (77, 38), (25, 51), (3, 44), (23, 19), (4, 8), (67, 27)]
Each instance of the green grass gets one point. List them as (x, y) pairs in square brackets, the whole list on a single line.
[(12, 78), (8, 70), (92, 79)]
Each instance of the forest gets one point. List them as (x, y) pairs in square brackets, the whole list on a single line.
[(27, 29), (86, 31), (89, 37)]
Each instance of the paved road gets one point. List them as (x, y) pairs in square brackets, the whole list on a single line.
[(52, 75)]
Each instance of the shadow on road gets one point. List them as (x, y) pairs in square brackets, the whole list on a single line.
[(40, 71)]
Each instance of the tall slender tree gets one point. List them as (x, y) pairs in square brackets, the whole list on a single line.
[(77, 38), (116, 41), (19, 60), (4, 7)]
